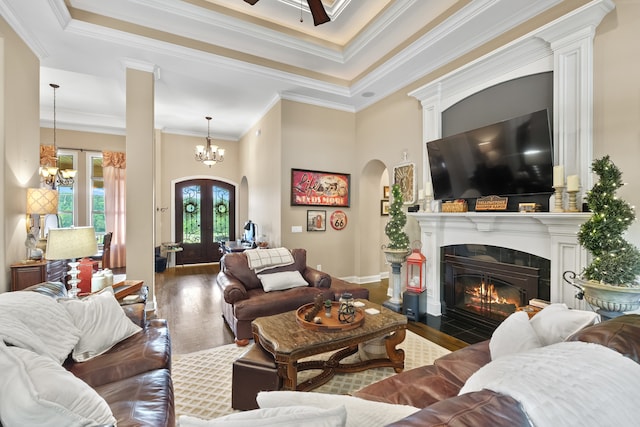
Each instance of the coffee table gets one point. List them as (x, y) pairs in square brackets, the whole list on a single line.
[(288, 342)]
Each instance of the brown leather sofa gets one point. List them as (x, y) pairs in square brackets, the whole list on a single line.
[(134, 376), (435, 387), (244, 299)]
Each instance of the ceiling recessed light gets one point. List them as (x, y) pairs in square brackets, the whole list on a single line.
[(368, 94)]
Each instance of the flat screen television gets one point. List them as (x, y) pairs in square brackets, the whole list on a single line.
[(512, 157)]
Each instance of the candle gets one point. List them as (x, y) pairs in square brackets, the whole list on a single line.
[(428, 189), (558, 176), (573, 182)]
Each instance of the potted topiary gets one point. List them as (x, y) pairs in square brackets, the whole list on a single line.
[(397, 251), (610, 281), (398, 248)]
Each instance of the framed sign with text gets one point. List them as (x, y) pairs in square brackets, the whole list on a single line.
[(315, 188), (404, 176)]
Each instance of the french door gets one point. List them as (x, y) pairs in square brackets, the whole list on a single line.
[(205, 215)]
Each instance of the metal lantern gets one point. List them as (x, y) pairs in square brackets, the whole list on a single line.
[(416, 265)]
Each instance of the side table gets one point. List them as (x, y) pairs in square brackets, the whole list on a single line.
[(27, 273), (127, 287), (172, 249)]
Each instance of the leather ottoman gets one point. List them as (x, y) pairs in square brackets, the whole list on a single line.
[(254, 371)]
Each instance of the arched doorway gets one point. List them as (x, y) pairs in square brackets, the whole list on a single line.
[(205, 215), (373, 178)]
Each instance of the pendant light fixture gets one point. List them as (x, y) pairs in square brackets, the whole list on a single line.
[(209, 154), (51, 174)]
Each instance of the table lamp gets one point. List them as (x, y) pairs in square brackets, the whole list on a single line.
[(40, 201), (71, 243)]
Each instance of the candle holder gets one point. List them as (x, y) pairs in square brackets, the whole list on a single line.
[(558, 196), (427, 203), (573, 205)]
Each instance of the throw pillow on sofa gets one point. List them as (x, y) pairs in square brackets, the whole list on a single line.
[(47, 328), (553, 324), (35, 390), (101, 321), (556, 322), (290, 416), (514, 335), (282, 281), (360, 412)]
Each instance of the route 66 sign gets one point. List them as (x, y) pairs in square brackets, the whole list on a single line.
[(338, 220)]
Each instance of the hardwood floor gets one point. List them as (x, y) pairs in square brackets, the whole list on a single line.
[(191, 302)]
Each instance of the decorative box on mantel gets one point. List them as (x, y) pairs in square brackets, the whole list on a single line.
[(545, 234), (455, 206)]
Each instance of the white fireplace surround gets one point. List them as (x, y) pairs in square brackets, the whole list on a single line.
[(564, 46), (548, 235)]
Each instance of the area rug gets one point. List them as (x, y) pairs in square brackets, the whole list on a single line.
[(202, 380)]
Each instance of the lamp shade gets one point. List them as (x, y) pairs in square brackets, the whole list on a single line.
[(42, 201), (70, 243)]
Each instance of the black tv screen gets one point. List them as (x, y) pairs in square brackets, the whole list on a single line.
[(513, 157)]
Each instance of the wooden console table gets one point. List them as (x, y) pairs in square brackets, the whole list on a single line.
[(27, 273)]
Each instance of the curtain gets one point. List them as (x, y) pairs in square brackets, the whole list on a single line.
[(48, 155), (114, 172)]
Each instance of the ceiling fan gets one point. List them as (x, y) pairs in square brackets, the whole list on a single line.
[(317, 11)]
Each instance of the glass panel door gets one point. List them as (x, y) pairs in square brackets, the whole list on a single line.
[(205, 215)]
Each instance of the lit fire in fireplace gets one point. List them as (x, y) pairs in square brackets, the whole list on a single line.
[(486, 298)]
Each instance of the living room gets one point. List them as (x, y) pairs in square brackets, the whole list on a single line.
[(366, 143)]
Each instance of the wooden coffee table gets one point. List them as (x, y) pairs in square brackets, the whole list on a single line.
[(288, 342)]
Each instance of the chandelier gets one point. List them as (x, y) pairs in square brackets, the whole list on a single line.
[(209, 154), (51, 174)]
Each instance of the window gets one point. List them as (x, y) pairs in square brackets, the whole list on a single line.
[(96, 187), (67, 195)]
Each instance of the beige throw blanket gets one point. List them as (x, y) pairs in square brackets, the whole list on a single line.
[(262, 259), (569, 384)]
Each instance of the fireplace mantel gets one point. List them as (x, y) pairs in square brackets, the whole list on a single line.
[(548, 235)]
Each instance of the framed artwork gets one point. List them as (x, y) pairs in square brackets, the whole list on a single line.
[(338, 220), (315, 188), (405, 177), (384, 207), (316, 220), (385, 192)]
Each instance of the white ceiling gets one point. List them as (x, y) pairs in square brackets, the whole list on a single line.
[(233, 61)]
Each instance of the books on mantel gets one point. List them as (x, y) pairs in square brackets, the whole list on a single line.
[(540, 303)]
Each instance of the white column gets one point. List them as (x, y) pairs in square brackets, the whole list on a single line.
[(140, 176), (431, 235)]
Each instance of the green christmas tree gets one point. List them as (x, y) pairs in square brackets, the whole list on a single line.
[(397, 219), (615, 261)]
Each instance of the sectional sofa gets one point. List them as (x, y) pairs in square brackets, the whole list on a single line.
[(82, 362)]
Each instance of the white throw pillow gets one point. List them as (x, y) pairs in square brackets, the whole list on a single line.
[(291, 416), (46, 320), (514, 335), (282, 280), (360, 412), (101, 321), (36, 390), (555, 323)]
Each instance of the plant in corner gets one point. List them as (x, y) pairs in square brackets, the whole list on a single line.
[(615, 263), (397, 251), (398, 239)]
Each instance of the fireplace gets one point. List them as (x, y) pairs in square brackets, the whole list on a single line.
[(506, 237), (481, 289)]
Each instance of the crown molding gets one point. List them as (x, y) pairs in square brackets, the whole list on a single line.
[(7, 12)]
